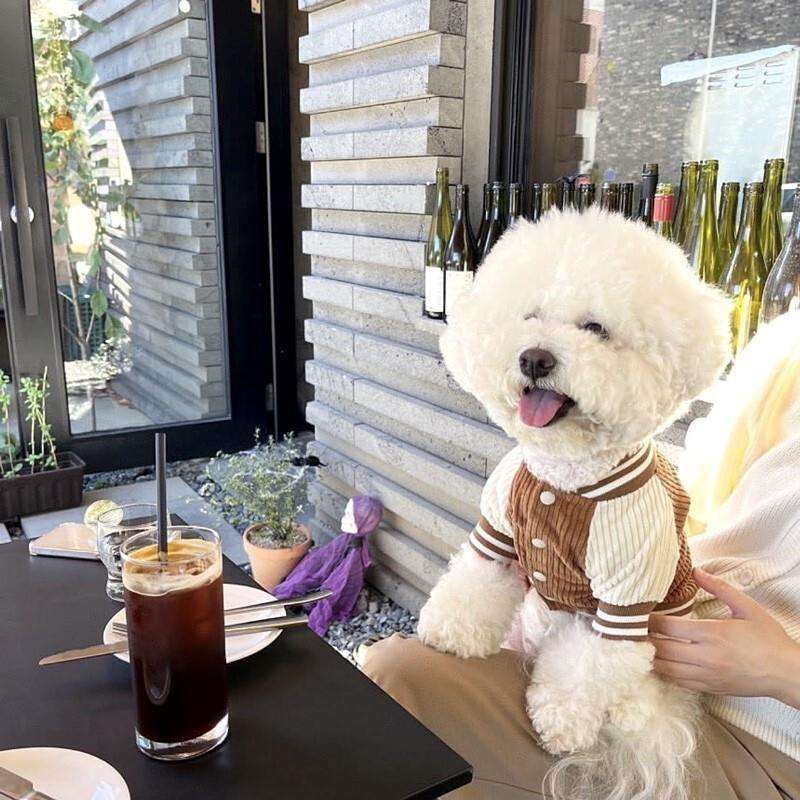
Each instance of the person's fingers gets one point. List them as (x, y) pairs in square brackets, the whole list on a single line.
[(692, 686), (692, 630), (740, 604), (674, 671), (682, 652)]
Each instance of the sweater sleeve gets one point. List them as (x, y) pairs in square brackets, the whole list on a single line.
[(631, 556), (493, 536)]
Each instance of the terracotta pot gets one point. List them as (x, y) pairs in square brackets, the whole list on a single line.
[(271, 565)]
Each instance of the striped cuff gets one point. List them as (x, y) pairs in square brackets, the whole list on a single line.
[(679, 609), (492, 544), (623, 622)]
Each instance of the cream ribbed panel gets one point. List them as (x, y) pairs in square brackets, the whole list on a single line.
[(753, 542), (632, 551), (494, 500)]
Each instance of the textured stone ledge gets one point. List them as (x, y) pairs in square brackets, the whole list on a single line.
[(387, 87), (392, 252), (416, 18), (445, 112), (393, 143), (137, 21), (387, 225), (413, 199), (388, 170), (375, 276), (439, 49), (185, 38)]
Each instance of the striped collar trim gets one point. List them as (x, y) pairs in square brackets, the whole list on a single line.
[(627, 474)]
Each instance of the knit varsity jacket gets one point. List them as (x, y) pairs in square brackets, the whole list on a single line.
[(615, 550)]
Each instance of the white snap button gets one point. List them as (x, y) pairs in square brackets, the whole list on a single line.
[(537, 576), (746, 577), (538, 543), (547, 498)]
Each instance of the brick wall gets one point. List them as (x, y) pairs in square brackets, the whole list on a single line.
[(638, 119)]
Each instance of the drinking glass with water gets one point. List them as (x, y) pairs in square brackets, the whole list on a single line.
[(113, 528)]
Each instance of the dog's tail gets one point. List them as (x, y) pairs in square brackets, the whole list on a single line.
[(655, 762)]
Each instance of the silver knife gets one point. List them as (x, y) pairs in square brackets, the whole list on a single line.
[(18, 788), (241, 629), (313, 597), (122, 627)]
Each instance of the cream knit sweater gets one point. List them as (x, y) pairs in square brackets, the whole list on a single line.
[(742, 469)]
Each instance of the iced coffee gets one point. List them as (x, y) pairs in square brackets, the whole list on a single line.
[(176, 637)]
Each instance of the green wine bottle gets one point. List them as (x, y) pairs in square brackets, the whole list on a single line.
[(535, 204), (687, 197), (438, 236), (566, 191), (648, 193), (496, 227), (701, 244), (460, 258), (503, 201), (609, 196), (746, 274), (514, 203), (626, 199), (548, 197), (485, 213), (728, 206), (664, 209), (782, 289), (584, 195), (771, 226)]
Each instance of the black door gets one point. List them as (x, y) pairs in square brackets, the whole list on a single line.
[(139, 278)]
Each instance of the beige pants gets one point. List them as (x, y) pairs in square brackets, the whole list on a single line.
[(475, 706)]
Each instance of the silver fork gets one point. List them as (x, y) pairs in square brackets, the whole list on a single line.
[(121, 628)]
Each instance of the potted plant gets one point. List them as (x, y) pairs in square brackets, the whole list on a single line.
[(40, 479), (264, 489)]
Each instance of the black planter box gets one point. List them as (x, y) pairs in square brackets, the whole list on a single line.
[(51, 490)]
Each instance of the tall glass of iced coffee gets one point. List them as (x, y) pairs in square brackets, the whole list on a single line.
[(176, 637)]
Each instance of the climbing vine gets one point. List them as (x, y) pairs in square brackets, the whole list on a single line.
[(65, 75)]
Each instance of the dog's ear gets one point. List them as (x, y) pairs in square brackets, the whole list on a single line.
[(707, 349), (454, 344)]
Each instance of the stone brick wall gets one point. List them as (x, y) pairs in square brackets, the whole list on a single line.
[(162, 271), (385, 103)]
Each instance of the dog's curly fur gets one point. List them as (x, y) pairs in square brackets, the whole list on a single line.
[(665, 339)]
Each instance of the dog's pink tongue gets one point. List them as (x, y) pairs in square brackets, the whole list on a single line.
[(538, 407)]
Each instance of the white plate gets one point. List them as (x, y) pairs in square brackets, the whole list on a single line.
[(236, 647), (66, 774)]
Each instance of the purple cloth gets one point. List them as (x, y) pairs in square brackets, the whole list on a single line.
[(338, 565)]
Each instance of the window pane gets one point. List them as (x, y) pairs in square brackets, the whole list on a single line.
[(669, 81), (125, 106)]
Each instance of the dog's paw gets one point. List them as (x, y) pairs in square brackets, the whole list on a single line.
[(631, 714), (565, 724), (452, 633)]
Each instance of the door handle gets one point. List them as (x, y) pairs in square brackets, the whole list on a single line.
[(19, 188)]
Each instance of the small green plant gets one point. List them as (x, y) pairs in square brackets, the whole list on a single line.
[(265, 486), (41, 445), (8, 445)]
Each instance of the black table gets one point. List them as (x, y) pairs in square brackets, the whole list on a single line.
[(304, 722)]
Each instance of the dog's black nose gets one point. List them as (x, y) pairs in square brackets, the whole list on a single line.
[(536, 363)]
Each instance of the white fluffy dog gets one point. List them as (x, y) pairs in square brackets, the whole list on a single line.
[(583, 336)]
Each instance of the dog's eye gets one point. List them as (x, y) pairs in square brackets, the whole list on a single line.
[(532, 315), (596, 328)]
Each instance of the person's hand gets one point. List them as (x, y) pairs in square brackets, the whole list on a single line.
[(746, 655)]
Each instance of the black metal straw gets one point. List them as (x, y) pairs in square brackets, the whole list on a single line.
[(161, 490)]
